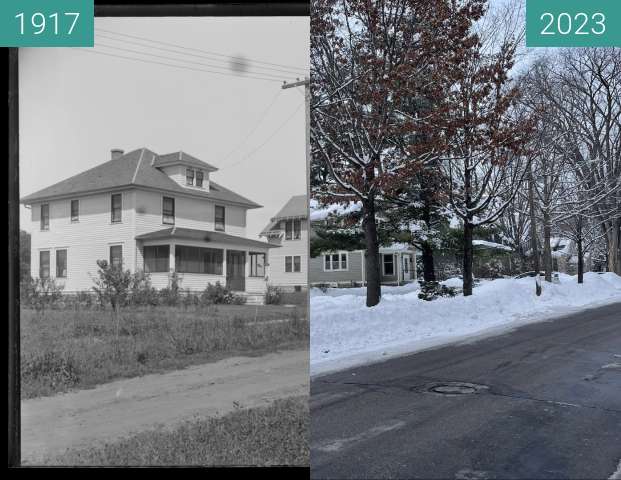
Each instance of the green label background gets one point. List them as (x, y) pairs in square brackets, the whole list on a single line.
[(534, 25), (81, 36)]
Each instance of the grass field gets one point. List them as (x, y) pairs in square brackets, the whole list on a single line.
[(274, 435), (64, 349)]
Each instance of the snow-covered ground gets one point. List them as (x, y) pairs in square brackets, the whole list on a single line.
[(617, 474), (345, 333)]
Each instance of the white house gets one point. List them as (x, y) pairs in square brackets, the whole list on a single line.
[(288, 229), (151, 212), (346, 267)]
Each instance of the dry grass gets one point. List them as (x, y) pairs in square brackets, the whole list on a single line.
[(64, 349), (274, 435)]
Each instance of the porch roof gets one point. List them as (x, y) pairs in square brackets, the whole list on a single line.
[(202, 236)]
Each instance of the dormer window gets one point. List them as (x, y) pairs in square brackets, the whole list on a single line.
[(199, 178), (293, 229), (189, 176)]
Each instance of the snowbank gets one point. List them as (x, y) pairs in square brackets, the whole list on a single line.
[(345, 333)]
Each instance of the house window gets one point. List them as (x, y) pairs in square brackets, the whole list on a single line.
[(156, 258), (44, 264), (288, 229), (45, 216), (297, 229), (199, 178), (116, 205), (293, 264), (75, 210), (61, 263), (198, 260), (116, 256), (257, 264), (189, 176), (335, 261), (219, 223), (389, 265), (168, 210), (293, 229)]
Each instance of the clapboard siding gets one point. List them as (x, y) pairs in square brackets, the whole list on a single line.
[(86, 240), (276, 268), (353, 273)]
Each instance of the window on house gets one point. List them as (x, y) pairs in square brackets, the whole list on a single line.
[(389, 265), (44, 264), (198, 260), (293, 264), (199, 178), (168, 210), (297, 229), (288, 229), (219, 222), (156, 258), (75, 210), (116, 205), (335, 261), (257, 264), (45, 216), (116, 256), (189, 176), (61, 263)]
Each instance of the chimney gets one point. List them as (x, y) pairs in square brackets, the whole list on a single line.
[(116, 153)]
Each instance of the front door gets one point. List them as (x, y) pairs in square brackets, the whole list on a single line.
[(236, 270)]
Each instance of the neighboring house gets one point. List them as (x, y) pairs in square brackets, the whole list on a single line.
[(144, 211), (288, 229), (397, 266), (565, 256)]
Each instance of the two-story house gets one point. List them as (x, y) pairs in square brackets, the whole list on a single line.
[(288, 229), (144, 211)]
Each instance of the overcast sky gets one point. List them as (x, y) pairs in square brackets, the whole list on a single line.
[(74, 105)]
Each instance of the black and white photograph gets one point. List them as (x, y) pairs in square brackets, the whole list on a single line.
[(164, 244)]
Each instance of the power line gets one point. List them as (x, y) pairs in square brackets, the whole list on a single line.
[(265, 76), (254, 129), (90, 50), (208, 57), (288, 67), (280, 127)]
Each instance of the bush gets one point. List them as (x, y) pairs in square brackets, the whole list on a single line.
[(217, 293), (273, 296), (432, 290), (112, 284), (57, 371), (171, 295), (141, 290), (40, 293)]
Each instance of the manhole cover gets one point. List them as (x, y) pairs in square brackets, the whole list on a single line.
[(455, 388)]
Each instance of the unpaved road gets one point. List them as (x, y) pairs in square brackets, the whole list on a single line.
[(86, 417)]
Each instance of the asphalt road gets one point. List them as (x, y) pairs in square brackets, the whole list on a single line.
[(545, 402)]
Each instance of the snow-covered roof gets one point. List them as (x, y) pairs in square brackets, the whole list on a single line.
[(318, 212)]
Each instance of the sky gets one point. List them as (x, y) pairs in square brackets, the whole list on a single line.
[(76, 105)]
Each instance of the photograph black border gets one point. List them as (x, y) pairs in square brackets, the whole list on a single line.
[(102, 9)]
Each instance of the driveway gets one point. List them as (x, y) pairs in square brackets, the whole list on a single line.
[(543, 401)]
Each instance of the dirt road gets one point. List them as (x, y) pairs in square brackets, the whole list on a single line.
[(52, 424)]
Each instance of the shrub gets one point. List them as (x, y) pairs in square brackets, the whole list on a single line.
[(52, 368), (170, 295), (217, 293), (141, 290), (112, 284), (432, 290), (273, 296), (40, 293)]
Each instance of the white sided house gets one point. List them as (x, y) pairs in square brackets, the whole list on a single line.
[(144, 211), (288, 229), (346, 267)]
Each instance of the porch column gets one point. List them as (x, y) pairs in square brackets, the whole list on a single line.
[(171, 258)]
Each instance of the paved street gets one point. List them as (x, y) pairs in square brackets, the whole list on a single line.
[(543, 401)]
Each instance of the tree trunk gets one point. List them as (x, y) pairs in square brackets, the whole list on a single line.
[(533, 223), (429, 273), (547, 250), (614, 248), (580, 260), (468, 258), (371, 254)]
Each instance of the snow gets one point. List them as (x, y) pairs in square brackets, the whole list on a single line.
[(321, 213), (498, 246), (345, 333), (617, 474)]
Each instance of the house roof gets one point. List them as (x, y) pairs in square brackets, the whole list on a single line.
[(182, 158), (296, 207), (133, 169), (203, 236)]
